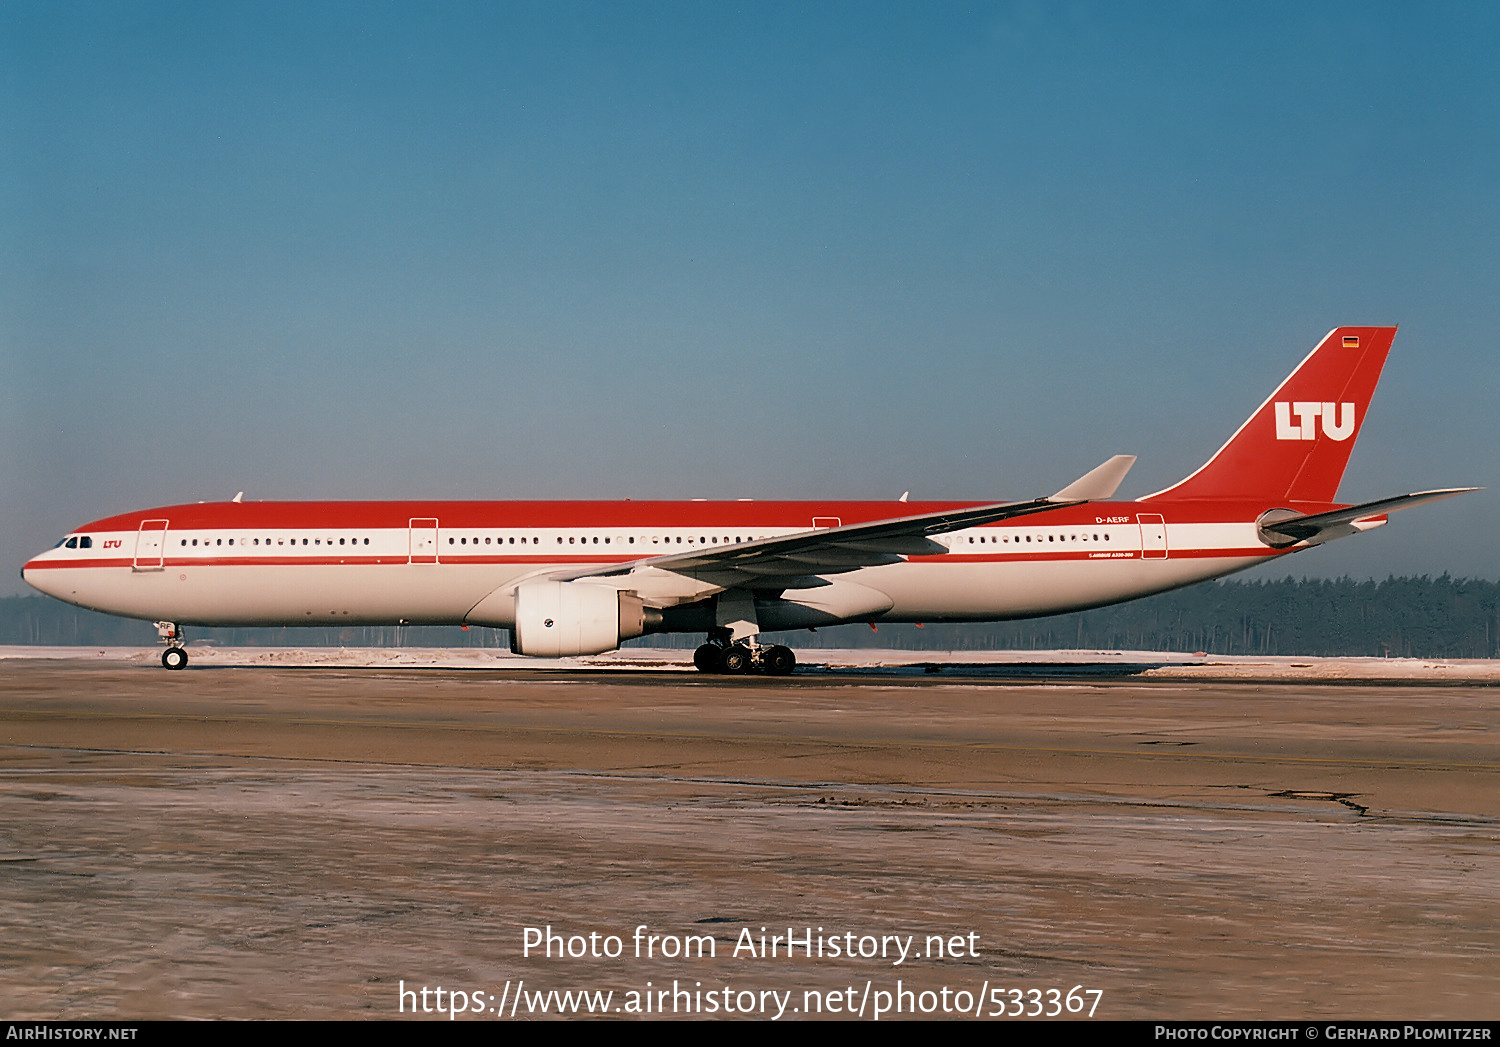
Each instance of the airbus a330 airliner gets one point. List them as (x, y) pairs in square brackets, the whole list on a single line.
[(574, 578)]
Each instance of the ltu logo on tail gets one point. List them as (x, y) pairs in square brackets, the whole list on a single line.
[(1307, 412)]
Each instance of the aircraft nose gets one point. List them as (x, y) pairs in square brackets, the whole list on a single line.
[(36, 577)]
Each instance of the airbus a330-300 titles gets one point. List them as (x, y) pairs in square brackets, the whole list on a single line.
[(576, 578)]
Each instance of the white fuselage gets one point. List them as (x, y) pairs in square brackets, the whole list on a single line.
[(226, 565)]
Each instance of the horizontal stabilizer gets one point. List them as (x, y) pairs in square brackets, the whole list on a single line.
[(1315, 528), (1097, 484)]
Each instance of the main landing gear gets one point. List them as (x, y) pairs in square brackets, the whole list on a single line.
[(734, 659), (731, 648), (175, 656)]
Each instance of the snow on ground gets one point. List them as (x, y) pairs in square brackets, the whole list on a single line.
[(1167, 665)]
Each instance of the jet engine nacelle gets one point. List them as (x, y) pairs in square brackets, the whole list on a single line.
[(557, 619)]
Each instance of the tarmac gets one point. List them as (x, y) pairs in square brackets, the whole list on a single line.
[(889, 837)]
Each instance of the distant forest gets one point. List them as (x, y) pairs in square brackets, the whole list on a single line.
[(1400, 617)]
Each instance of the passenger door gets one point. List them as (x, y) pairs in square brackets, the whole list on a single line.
[(424, 541), (150, 545)]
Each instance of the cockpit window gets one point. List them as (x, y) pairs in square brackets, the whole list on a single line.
[(72, 543)]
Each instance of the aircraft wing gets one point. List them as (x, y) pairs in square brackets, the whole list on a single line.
[(1316, 528), (794, 560)]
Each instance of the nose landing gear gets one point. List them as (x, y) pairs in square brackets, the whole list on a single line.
[(175, 656)]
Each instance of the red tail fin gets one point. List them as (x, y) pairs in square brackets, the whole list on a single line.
[(1295, 446)]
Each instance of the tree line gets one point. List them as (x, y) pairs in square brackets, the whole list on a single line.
[(1424, 617)]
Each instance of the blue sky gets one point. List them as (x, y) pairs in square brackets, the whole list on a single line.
[(375, 250)]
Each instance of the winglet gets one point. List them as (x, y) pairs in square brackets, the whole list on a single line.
[(1099, 483)]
